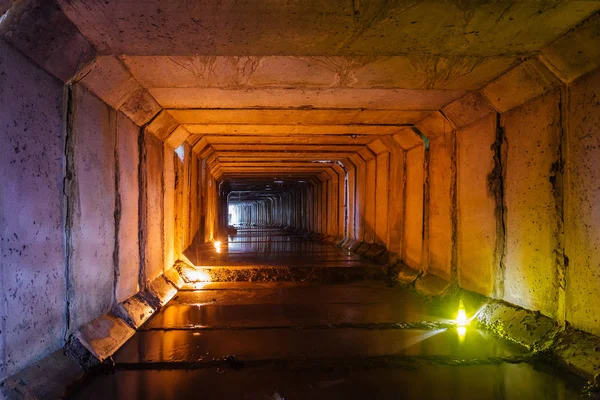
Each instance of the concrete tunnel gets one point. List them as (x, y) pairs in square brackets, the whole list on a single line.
[(442, 149)]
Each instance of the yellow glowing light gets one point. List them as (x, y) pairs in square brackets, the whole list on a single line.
[(461, 318), (462, 331), (217, 246), (195, 275)]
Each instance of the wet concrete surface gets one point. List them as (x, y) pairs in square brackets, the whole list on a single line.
[(505, 381), (311, 340), (273, 247)]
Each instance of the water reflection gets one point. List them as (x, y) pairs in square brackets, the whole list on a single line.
[(496, 382)]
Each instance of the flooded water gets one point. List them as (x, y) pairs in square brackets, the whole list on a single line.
[(504, 381), (311, 340)]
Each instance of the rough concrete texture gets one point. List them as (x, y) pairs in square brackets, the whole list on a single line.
[(406, 274), (91, 214), (413, 208), (476, 230), (177, 137), (530, 329), (216, 120), (128, 159), (32, 279), (104, 335), (140, 107), (49, 378), (173, 276), (409, 72), (519, 85), (170, 159), (340, 27), (108, 79), (152, 216), (396, 198), (576, 350), (285, 274), (317, 85), (407, 138), (436, 124), (162, 125), (441, 181), (160, 291), (470, 108), (580, 352), (582, 240), (42, 32), (431, 284), (384, 99), (576, 53), (533, 133), (382, 197), (135, 311)]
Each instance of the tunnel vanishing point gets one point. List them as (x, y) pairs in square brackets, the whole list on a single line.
[(151, 149)]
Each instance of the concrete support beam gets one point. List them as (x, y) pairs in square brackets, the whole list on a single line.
[(110, 80), (151, 209), (440, 224), (41, 31), (162, 126), (576, 53), (477, 227), (519, 85), (412, 237), (466, 110)]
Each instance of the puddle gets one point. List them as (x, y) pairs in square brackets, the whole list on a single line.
[(504, 381)]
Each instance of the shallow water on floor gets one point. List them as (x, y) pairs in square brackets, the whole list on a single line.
[(497, 382), (315, 340)]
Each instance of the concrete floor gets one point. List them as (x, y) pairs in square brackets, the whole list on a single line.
[(275, 340)]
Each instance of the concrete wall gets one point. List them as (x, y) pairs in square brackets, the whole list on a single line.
[(382, 214), (533, 142), (179, 220), (78, 192), (32, 275), (396, 200), (171, 255), (582, 213), (91, 208), (413, 208), (152, 203), (128, 159), (441, 170), (476, 235)]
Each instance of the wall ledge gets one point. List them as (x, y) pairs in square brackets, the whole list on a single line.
[(92, 346), (572, 349)]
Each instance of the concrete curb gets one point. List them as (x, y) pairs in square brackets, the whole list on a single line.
[(49, 378), (574, 350), (93, 344), (135, 311), (104, 336)]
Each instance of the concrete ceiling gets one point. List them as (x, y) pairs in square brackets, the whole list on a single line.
[(476, 28), (259, 88)]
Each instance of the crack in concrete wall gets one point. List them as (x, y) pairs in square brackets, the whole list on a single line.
[(496, 189), (454, 209), (70, 194), (558, 181), (426, 211), (142, 205), (117, 213)]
